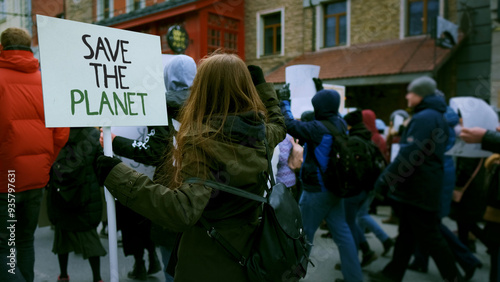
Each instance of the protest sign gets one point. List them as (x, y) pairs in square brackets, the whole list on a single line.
[(341, 90), (474, 112), (302, 87), (100, 76)]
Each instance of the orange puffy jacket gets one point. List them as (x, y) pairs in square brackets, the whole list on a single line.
[(26, 145)]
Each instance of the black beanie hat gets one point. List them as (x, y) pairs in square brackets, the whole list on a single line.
[(354, 118), (423, 86)]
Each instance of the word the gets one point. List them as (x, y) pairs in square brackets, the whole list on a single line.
[(112, 54)]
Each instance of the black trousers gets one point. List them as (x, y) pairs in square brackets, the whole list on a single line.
[(420, 226)]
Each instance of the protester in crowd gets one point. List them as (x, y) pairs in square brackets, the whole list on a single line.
[(27, 151), (365, 221), (490, 140), (74, 202), (469, 200), (369, 119), (224, 122), (463, 256), (393, 137), (285, 174), (316, 203), (178, 75), (353, 204), (414, 179)]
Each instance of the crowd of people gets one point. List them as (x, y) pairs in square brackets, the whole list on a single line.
[(227, 115)]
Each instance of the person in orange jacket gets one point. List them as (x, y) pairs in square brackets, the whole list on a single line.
[(27, 151)]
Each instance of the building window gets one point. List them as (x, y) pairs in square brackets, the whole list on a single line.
[(222, 33), (421, 13), (133, 5), (3, 10), (104, 9), (272, 34), (335, 24)]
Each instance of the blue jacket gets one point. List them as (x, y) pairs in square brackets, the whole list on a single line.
[(452, 119), (416, 174), (316, 136)]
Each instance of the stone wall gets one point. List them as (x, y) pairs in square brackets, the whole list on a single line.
[(294, 32), (374, 20)]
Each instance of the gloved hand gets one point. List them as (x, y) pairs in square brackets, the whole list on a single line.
[(284, 93), (257, 75), (104, 166), (318, 83)]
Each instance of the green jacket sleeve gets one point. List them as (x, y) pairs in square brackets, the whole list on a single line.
[(176, 209), (491, 141), (275, 127)]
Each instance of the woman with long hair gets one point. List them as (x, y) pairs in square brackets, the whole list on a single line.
[(224, 122)]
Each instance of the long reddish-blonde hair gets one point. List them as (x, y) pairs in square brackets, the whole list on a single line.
[(222, 86)]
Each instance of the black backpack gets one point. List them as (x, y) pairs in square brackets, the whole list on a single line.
[(342, 175), (279, 252)]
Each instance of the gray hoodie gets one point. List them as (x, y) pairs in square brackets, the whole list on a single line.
[(178, 75)]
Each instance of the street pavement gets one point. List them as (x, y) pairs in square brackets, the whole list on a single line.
[(324, 254)]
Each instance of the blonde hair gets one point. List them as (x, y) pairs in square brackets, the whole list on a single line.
[(222, 86), (15, 36)]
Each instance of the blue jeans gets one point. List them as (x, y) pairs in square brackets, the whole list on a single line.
[(165, 257), (19, 266), (316, 206), (366, 221), (352, 206)]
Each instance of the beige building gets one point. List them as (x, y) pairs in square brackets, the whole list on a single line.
[(375, 48)]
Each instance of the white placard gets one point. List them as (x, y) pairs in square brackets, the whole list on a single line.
[(138, 133), (474, 112), (302, 87), (100, 76)]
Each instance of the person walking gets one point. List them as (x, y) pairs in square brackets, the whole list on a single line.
[(224, 123), (316, 203), (415, 180), (27, 151), (74, 202)]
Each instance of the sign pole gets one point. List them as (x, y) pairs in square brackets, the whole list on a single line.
[(110, 204)]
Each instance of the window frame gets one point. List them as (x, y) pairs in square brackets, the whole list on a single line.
[(221, 37), (405, 17), (260, 32), (130, 5), (101, 9), (321, 30), (3, 17)]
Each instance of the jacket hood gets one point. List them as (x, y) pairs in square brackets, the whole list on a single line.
[(245, 128), (360, 131), (19, 60), (326, 104), (179, 73), (369, 121), (432, 102)]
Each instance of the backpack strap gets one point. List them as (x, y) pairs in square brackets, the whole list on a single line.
[(226, 188), (331, 127)]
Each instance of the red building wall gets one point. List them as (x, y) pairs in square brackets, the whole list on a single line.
[(52, 8)]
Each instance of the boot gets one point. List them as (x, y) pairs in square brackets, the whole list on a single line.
[(139, 271), (368, 255), (154, 263), (388, 244)]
